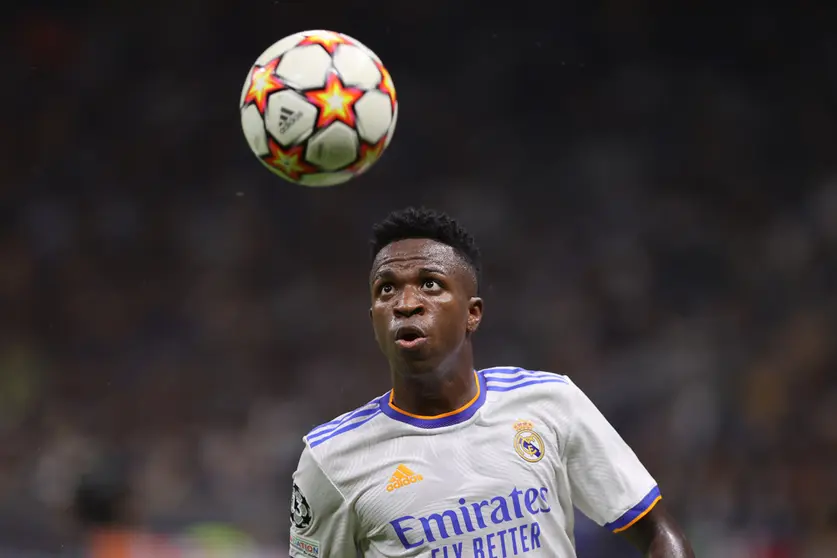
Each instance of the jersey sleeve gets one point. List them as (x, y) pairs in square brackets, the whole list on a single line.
[(322, 523), (608, 482)]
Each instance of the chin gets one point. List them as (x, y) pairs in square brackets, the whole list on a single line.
[(416, 362)]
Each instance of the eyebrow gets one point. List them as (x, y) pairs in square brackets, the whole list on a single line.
[(386, 273), (430, 269), (381, 274)]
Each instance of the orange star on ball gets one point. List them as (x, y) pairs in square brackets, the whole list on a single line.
[(386, 84), (335, 102), (289, 161), (263, 82), (368, 155), (326, 39)]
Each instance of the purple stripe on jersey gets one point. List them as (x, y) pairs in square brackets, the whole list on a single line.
[(532, 382), (510, 370), (635, 512), (336, 423), (437, 422), (347, 428), (521, 376)]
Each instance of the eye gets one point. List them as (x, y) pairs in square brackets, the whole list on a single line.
[(430, 284), (386, 288)]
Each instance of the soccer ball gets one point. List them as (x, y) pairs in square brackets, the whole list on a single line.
[(318, 108)]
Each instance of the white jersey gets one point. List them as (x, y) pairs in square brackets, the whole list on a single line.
[(498, 477)]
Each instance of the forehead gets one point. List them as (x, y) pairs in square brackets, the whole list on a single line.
[(404, 255)]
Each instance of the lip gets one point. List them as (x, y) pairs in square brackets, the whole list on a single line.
[(408, 337)]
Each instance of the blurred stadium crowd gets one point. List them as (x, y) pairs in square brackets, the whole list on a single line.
[(658, 218)]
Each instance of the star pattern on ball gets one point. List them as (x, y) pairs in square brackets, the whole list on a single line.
[(263, 82), (386, 84), (326, 39), (368, 155), (289, 162), (335, 101)]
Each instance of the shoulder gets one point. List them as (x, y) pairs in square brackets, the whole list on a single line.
[(506, 379), (514, 385), (334, 450), (347, 427)]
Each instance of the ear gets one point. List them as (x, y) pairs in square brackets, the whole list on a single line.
[(373, 326), (474, 314)]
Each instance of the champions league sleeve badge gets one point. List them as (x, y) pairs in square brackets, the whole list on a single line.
[(527, 443), (300, 510)]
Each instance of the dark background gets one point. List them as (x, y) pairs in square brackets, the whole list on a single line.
[(654, 189)]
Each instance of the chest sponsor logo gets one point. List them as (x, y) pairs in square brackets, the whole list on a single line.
[(504, 525)]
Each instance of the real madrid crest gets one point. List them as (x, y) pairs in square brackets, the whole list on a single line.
[(527, 443)]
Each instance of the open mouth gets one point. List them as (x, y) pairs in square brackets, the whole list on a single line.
[(408, 337)]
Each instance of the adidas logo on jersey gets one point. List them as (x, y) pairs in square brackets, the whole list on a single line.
[(403, 476)]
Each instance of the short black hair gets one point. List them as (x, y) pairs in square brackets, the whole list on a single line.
[(426, 223)]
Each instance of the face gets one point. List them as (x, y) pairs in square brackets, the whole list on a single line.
[(424, 303)]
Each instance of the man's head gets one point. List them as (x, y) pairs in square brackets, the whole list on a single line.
[(424, 284)]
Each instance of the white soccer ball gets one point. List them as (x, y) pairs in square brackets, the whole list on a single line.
[(318, 108)]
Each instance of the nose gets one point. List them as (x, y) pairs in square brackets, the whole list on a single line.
[(408, 304)]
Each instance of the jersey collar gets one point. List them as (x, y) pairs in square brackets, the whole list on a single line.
[(456, 416)]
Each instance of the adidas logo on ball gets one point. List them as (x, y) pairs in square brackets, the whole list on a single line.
[(287, 118)]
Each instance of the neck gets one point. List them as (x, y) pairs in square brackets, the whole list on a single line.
[(434, 392)]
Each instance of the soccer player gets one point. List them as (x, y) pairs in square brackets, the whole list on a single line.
[(454, 462)]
